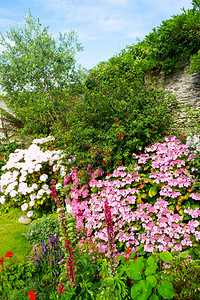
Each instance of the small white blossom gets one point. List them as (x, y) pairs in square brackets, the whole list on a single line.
[(29, 214), (24, 206)]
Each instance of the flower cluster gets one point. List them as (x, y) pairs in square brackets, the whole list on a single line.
[(154, 203), (110, 234), (32, 295), (27, 176), (77, 192), (8, 255), (70, 264), (48, 254)]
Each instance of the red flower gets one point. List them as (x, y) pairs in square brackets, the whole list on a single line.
[(128, 251), (31, 292), (126, 259), (131, 281), (31, 295), (8, 254), (102, 276), (135, 258), (1, 260), (2, 270)]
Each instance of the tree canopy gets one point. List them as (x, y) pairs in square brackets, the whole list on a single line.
[(33, 64)]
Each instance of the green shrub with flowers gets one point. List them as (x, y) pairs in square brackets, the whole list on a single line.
[(150, 208), (116, 114), (129, 227), (154, 201), (26, 178)]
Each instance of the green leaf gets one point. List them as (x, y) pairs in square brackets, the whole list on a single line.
[(153, 191), (136, 268), (152, 280), (153, 297), (166, 256), (183, 255), (84, 261), (166, 290), (141, 290)]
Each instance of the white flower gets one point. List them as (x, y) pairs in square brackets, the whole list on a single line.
[(43, 177), (69, 208), (24, 206), (32, 197), (43, 140), (2, 199), (41, 192), (13, 193), (45, 187), (58, 186), (31, 203), (34, 186), (29, 214), (38, 167)]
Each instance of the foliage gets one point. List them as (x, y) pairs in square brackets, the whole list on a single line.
[(6, 148), (47, 258), (40, 229), (185, 274), (13, 274), (169, 45), (195, 63), (154, 202), (32, 65), (26, 181), (116, 115)]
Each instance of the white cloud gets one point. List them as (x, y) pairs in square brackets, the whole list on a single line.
[(117, 2)]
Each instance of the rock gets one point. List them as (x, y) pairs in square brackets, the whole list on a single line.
[(24, 220)]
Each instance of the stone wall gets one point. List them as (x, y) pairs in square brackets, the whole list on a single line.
[(185, 87)]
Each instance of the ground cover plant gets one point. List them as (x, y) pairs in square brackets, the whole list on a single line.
[(12, 234)]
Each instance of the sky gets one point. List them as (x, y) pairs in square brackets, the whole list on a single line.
[(104, 27)]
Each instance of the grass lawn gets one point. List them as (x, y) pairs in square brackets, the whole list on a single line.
[(11, 235)]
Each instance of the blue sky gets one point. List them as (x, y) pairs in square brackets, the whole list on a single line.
[(104, 27)]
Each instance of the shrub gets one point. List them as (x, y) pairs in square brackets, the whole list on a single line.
[(26, 181), (154, 202), (116, 115), (40, 230), (6, 148)]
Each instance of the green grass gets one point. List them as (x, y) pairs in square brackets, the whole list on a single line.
[(11, 235)]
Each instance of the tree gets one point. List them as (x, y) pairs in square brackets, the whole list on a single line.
[(33, 65)]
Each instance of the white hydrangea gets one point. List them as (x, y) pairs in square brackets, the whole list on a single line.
[(43, 177), (17, 181), (29, 214), (2, 199), (24, 206)]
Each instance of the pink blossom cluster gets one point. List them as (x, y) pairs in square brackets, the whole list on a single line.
[(153, 224), (75, 192), (70, 264)]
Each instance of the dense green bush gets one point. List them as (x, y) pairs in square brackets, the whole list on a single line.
[(6, 148), (169, 45), (118, 114), (41, 229)]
